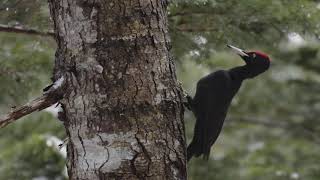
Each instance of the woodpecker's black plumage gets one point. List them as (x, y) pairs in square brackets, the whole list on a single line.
[(213, 96)]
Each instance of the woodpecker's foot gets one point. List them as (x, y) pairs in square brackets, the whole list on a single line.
[(188, 102)]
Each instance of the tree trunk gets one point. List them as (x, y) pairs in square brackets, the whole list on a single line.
[(123, 108)]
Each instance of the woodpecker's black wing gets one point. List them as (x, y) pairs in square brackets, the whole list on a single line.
[(210, 104)]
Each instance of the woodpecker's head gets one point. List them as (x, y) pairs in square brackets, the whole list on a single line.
[(257, 62)]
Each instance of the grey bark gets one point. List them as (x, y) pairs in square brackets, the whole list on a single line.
[(123, 108)]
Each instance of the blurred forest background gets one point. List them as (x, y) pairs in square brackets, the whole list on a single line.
[(272, 130)]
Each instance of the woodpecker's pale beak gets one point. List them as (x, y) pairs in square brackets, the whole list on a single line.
[(239, 51)]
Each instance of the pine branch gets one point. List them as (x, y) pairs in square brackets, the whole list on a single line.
[(202, 13), (37, 104), (53, 94), (309, 133), (259, 121), (21, 30), (195, 29)]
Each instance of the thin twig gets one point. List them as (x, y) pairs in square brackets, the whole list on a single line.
[(37, 104), (13, 29), (51, 96), (259, 121), (290, 127), (195, 29), (190, 14)]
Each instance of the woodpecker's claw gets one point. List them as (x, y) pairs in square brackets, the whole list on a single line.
[(188, 103)]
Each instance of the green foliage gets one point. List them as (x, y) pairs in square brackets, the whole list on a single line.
[(26, 64), (247, 23), (32, 158), (25, 68), (25, 153)]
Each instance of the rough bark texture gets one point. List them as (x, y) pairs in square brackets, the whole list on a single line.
[(123, 106)]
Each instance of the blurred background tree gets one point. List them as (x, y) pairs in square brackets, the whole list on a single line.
[(271, 130)]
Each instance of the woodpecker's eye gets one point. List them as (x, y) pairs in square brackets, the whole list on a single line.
[(254, 55)]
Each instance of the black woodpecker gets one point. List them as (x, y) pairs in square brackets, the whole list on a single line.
[(213, 97)]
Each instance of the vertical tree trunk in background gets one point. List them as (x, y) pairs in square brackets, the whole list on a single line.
[(122, 108)]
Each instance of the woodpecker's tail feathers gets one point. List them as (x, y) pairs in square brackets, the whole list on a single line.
[(200, 144), (193, 150), (196, 151)]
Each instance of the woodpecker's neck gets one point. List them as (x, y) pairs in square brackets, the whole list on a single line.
[(240, 73)]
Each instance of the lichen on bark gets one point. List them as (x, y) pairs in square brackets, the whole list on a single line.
[(123, 105)]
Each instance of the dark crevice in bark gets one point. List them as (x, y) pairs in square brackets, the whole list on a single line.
[(104, 143), (144, 150), (133, 167), (84, 149)]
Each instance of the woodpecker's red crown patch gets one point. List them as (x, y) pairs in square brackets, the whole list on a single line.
[(262, 55)]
